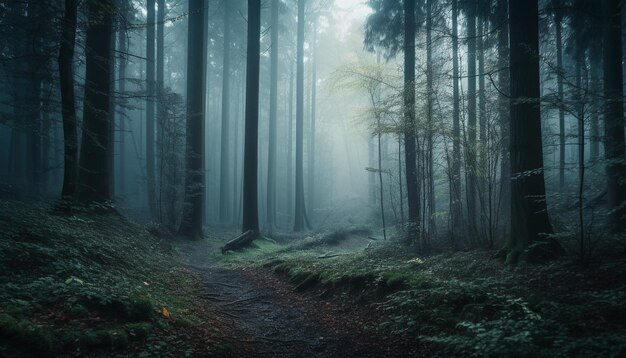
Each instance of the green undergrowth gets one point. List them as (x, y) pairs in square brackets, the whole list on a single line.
[(90, 284), (463, 303)]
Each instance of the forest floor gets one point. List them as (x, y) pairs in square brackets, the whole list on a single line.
[(93, 284)]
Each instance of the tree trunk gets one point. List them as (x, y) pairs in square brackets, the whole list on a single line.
[(191, 225), (271, 157), (614, 113), (300, 209), (311, 151), (503, 114), (112, 104), (290, 158), (559, 64), (150, 94), (409, 119), (530, 223), (224, 142), (68, 105), (251, 132), (429, 112), (160, 105), (471, 123), (457, 202), (93, 183), (123, 45)]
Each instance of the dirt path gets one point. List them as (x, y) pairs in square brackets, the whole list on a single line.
[(272, 320)]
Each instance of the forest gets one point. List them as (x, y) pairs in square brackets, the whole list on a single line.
[(312, 178)]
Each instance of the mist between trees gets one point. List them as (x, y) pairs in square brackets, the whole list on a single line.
[(447, 124)]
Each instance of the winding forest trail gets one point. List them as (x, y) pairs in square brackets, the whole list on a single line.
[(269, 319)]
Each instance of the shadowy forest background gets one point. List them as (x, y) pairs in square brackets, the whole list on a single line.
[(459, 124)]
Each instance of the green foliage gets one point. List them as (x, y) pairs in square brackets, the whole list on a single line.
[(91, 281), (466, 304), (29, 338), (141, 308)]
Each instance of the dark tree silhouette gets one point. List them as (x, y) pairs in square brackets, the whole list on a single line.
[(93, 180), (530, 224), (68, 105), (251, 133), (224, 142), (271, 158), (614, 113), (409, 116), (191, 226), (150, 94)]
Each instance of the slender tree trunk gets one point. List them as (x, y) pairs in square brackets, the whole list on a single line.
[(93, 183), (371, 176), (161, 151), (150, 94), (290, 158), (503, 114), (594, 149), (529, 214), (471, 122), (400, 179), (429, 112), (123, 45), (191, 225), (614, 113), (482, 165), (112, 105), (457, 202), (410, 152), (299, 219), (68, 105), (250, 168), (271, 157), (311, 151), (33, 97), (559, 63), (224, 149), (380, 180)]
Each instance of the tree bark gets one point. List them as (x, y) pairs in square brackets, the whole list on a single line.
[(150, 94), (191, 226), (68, 105), (271, 157), (93, 180), (311, 150), (429, 112), (503, 114), (530, 224), (251, 133), (457, 202), (409, 119), (471, 123), (299, 218), (224, 142), (614, 113), (160, 105)]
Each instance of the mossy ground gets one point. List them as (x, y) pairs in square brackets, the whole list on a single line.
[(459, 303), (94, 285)]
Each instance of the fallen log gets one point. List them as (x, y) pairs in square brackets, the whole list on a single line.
[(328, 255), (240, 241)]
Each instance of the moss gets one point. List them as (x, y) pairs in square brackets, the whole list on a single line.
[(77, 311), (118, 338), (138, 331), (141, 308), (23, 336), (93, 339)]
